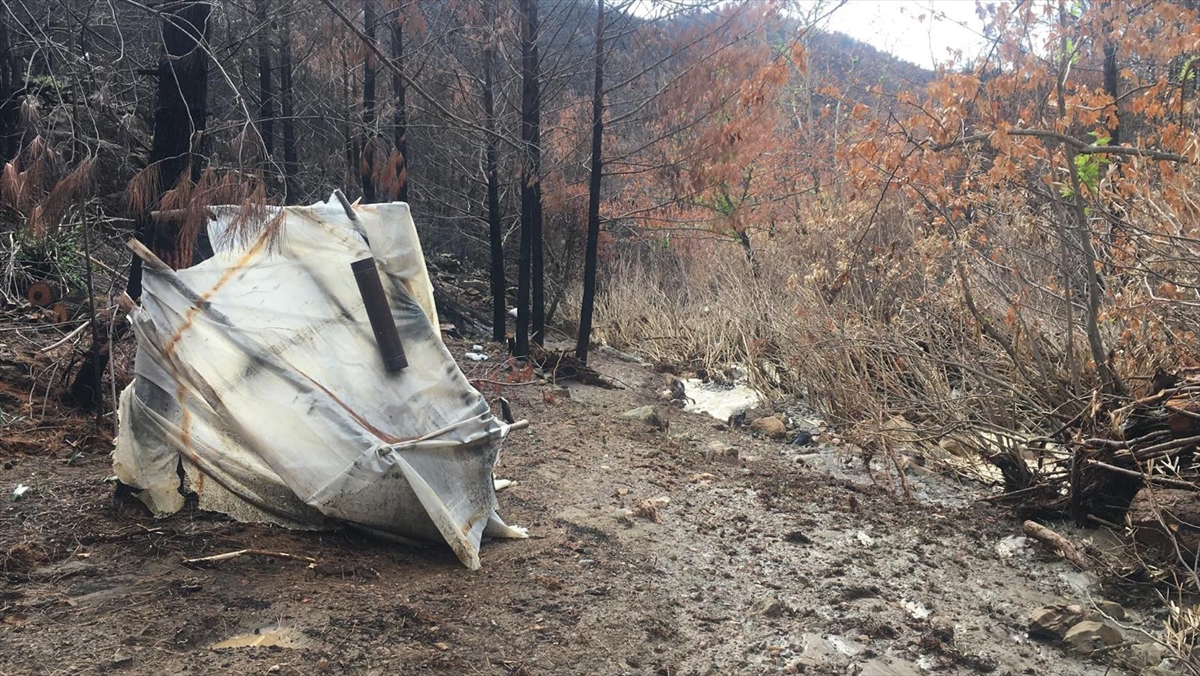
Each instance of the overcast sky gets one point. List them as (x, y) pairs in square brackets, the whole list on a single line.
[(894, 26)]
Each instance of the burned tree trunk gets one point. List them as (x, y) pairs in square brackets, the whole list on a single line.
[(530, 274), (400, 122), (291, 159), (367, 159), (593, 215), (180, 117), (10, 132), (266, 101), (495, 234), (1111, 73)]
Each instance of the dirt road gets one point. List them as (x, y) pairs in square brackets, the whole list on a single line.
[(761, 564)]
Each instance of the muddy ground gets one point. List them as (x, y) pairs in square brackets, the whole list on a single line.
[(767, 563)]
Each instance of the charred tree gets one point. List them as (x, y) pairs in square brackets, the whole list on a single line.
[(593, 216), (495, 234), (10, 86), (1111, 87), (530, 273), (521, 343), (266, 100), (291, 158), (400, 121), (180, 118), (367, 160)]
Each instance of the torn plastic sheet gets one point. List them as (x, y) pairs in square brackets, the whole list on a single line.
[(259, 370)]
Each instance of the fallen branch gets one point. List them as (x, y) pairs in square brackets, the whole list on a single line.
[(67, 337), (217, 558), (1057, 543), (1176, 483)]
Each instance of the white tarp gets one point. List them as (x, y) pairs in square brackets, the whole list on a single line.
[(259, 370)]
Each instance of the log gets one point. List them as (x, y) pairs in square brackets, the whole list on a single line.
[(1058, 544)]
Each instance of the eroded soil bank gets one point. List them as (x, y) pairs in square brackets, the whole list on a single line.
[(771, 559)]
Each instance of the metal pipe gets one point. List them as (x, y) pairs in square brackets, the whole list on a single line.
[(380, 313)]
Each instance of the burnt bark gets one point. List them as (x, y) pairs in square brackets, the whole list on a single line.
[(266, 99), (291, 158), (367, 159), (528, 18), (531, 266), (400, 120), (10, 86), (1111, 86), (495, 234), (583, 341), (180, 117)]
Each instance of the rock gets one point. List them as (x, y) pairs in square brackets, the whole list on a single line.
[(722, 452), (768, 608), (895, 667), (770, 426), (817, 653), (1053, 621), (1089, 636), (955, 447), (1180, 510), (757, 412), (121, 659), (648, 415), (803, 438), (1112, 609), (1141, 655)]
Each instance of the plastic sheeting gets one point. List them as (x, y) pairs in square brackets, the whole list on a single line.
[(259, 371)]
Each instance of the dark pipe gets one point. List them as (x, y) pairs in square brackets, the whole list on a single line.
[(376, 303)]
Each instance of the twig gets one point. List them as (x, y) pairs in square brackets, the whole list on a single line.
[(217, 558)]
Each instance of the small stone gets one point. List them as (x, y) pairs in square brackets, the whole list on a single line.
[(768, 608), (803, 438), (1112, 609), (817, 653), (442, 646), (879, 667), (722, 452), (1053, 621), (770, 426), (646, 414), (121, 659), (1142, 655), (954, 447), (1089, 636), (757, 413)]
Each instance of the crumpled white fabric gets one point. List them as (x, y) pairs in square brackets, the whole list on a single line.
[(259, 370)]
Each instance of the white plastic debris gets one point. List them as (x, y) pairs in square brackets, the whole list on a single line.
[(20, 490), (916, 609), (477, 348), (476, 357), (259, 370)]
